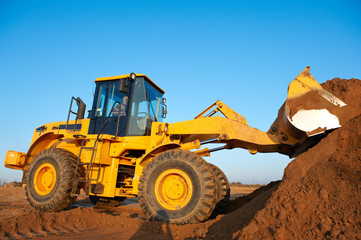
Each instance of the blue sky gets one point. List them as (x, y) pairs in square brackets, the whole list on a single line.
[(244, 53)]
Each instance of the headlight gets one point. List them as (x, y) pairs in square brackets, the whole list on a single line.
[(132, 76)]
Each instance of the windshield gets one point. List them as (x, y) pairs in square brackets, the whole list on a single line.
[(146, 107)]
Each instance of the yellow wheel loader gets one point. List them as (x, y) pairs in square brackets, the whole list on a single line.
[(124, 149)]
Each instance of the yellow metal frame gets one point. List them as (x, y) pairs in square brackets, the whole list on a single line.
[(14, 160)]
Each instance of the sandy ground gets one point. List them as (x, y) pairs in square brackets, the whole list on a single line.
[(18, 220)]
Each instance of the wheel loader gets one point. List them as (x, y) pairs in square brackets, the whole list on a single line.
[(124, 149)]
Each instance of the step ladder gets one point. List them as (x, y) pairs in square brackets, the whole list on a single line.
[(86, 178)]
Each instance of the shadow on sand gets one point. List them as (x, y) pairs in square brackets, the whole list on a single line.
[(153, 230)]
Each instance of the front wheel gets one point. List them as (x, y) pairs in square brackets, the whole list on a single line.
[(177, 186), (49, 180)]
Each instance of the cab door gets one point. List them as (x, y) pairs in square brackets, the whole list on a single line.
[(111, 107)]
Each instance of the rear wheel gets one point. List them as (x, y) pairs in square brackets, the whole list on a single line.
[(177, 186), (104, 202), (49, 180), (224, 191)]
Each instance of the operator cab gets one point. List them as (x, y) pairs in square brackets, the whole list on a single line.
[(126, 106)]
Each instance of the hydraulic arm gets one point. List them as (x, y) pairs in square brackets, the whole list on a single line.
[(308, 113)]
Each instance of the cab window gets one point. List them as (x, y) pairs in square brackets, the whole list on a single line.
[(145, 108), (109, 101), (100, 102)]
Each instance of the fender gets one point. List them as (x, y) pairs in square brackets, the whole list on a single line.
[(158, 149), (40, 144)]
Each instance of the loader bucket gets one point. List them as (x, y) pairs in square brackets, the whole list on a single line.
[(308, 112)]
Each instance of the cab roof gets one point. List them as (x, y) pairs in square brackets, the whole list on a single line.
[(128, 75)]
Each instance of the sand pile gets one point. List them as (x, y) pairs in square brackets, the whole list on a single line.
[(320, 194)]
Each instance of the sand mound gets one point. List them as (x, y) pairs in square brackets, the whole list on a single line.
[(320, 194)]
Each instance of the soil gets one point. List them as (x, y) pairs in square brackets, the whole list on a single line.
[(318, 198), (18, 220)]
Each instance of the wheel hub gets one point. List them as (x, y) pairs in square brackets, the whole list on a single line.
[(173, 189), (45, 179)]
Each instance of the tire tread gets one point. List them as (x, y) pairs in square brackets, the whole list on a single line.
[(208, 197), (62, 198)]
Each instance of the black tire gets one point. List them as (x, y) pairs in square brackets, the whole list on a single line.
[(224, 191), (104, 202), (60, 165), (197, 197)]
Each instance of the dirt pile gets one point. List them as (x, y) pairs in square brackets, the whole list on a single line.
[(320, 194)]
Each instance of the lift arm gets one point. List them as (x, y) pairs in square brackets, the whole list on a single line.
[(231, 128), (307, 115)]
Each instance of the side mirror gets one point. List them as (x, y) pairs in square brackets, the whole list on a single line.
[(164, 111), (164, 108), (124, 85), (81, 108)]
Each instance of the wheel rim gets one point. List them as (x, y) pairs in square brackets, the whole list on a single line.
[(173, 189), (45, 179)]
